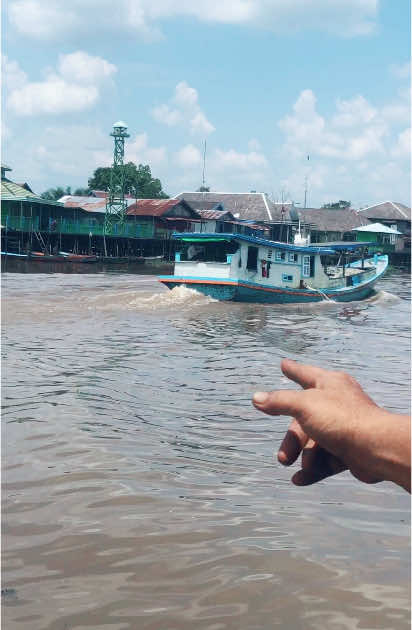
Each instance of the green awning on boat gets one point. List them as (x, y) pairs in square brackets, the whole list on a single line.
[(204, 240)]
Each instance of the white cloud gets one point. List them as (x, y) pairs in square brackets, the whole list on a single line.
[(184, 109), (49, 154), (73, 88), (233, 160), (62, 21), (200, 125), (166, 115), (355, 130), (402, 147), (188, 156), (305, 129), (139, 152), (402, 70), (254, 145), (13, 76), (53, 96), (356, 111), (80, 67), (355, 148), (398, 112), (185, 96)]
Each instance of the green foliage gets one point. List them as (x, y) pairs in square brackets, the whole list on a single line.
[(53, 194), (138, 181), (82, 192), (337, 205), (203, 189)]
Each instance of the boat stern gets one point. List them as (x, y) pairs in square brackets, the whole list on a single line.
[(211, 287)]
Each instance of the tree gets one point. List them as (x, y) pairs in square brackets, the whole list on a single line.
[(53, 194), (203, 189), (82, 192), (337, 205), (138, 181)]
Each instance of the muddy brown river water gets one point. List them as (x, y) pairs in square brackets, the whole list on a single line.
[(140, 489)]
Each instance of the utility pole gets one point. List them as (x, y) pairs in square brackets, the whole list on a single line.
[(115, 202)]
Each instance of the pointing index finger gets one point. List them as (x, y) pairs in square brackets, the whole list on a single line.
[(305, 375)]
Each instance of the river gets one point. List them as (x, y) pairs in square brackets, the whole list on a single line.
[(140, 487)]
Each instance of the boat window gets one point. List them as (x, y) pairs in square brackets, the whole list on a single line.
[(207, 251), (280, 255), (306, 267), (252, 254)]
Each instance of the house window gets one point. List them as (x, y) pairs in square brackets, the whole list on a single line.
[(280, 255), (393, 236), (269, 254), (287, 278), (252, 255), (293, 257)]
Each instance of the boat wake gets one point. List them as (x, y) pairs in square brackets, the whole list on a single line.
[(178, 297), (383, 297)]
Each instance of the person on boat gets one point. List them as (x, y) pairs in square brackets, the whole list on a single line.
[(337, 427)]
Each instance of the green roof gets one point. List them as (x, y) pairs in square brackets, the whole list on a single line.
[(13, 192)]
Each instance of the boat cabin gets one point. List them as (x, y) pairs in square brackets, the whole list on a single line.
[(271, 263)]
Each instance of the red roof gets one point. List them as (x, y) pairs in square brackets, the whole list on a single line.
[(154, 207)]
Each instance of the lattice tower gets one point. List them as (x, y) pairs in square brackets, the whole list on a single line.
[(115, 203)]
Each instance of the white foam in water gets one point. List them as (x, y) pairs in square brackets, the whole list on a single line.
[(179, 296), (382, 297)]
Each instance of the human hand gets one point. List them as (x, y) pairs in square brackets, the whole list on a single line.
[(337, 426)]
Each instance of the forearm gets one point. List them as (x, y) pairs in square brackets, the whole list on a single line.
[(390, 448)]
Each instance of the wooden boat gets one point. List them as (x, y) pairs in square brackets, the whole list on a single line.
[(13, 255), (251, 269), (121, 260), (82, 258), (62, 257)]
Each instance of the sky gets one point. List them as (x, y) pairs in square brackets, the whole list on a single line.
[(283, 92)]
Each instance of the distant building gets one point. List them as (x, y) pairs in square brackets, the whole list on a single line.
[(24, 215), (332, 225), (243, 206), (281, 218), (378, 234), (166, 215), (396, 216)]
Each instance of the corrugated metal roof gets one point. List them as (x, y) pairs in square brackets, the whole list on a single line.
[(377, 228), (156, 207), (10, 190), (88, 204), (216, 214)]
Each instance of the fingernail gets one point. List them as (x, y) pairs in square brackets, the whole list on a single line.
[(283, 458), (260, 397)]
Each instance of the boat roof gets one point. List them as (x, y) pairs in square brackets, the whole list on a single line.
[(314, 248)]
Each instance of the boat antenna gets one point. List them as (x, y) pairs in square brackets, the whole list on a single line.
[(204, 166), (306, 187)]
